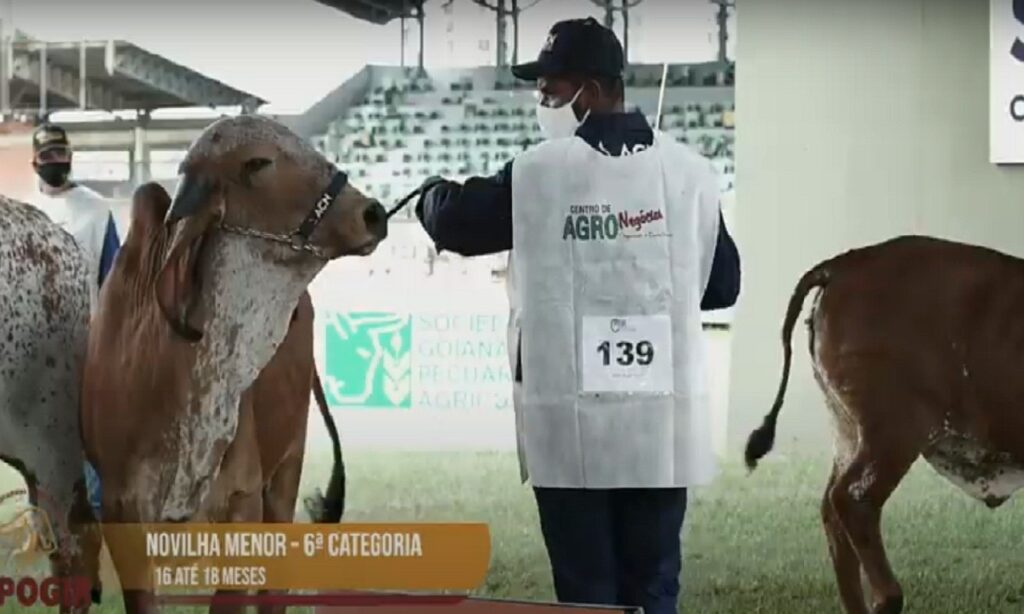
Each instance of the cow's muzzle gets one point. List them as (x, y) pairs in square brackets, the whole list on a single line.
[(376, 220)]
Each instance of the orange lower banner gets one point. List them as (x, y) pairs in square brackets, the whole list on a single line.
[(239, 556), (394, 603)]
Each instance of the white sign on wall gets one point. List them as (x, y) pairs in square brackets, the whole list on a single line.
[(413, 354), (1006, 65)]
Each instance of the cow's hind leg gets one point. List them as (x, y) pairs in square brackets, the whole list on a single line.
[(844, 558), (279, 501), (860, 491)]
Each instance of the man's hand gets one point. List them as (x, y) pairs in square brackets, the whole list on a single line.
[(426, 186), (430, 183), (472, 218)]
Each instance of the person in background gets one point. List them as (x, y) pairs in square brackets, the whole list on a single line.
[(617, 243), (84, 214)]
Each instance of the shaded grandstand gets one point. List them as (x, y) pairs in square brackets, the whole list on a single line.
[(391, 128)]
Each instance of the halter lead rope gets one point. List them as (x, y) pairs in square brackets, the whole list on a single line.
[(408, 197)]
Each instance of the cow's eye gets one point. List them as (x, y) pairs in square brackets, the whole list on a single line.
[(253, 166)]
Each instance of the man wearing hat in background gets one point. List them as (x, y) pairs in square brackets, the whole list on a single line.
[(617, 243), (84, 214)]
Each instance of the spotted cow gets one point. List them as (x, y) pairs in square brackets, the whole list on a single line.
[(44, 318)]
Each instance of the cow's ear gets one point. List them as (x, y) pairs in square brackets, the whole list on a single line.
[(254, 171), (197, 207), (150, 202)]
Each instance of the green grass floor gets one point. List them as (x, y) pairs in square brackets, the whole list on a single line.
[(752, 543)]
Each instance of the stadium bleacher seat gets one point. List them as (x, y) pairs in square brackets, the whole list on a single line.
[(410, 126)]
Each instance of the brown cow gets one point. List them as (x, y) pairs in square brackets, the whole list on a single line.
[(195, 307), (917, 345)]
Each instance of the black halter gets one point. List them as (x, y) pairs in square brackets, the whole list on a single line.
[(308, 225), (299, 240)]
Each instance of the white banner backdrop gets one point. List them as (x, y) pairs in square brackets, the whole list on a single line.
[(413, 353), (1006, 64)]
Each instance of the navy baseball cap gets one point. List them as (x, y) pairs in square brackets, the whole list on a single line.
[(581, 46)]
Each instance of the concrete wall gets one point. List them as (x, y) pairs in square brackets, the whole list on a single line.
[(859, 121)]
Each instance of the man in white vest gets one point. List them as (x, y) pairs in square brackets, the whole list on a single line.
[(84, 214), (617, 243)]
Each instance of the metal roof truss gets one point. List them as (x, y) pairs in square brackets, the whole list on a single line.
[(117, 76)]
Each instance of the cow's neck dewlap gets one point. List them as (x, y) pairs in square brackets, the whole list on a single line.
[(249, 297)]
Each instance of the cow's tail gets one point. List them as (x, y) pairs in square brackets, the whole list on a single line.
[(330, 507), (762, 439)]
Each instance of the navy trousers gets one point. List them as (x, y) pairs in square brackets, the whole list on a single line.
[(614, 547)]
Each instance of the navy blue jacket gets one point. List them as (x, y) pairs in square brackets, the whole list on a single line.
[(475, 218)]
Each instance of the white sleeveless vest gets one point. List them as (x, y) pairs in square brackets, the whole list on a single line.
[(84, 214), (610, 260)]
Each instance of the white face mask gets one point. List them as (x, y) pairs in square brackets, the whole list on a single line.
[(559, 122)]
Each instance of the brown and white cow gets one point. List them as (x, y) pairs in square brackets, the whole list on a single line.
[(917, 344), (44, 316), (195, 308)]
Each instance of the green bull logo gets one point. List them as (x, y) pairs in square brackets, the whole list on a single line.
[(369, 360)]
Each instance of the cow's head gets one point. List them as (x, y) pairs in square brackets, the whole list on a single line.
[(251, 177)]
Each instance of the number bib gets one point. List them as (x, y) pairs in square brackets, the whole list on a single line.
[(627, 354)]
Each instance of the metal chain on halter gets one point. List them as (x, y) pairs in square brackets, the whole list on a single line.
[(292, 241), (298, 242)]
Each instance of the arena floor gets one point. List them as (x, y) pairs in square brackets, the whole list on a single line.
[(752, 543)]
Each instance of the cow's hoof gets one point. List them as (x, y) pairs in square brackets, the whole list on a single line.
[(97, 595), (993, 502), (893, 604)]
